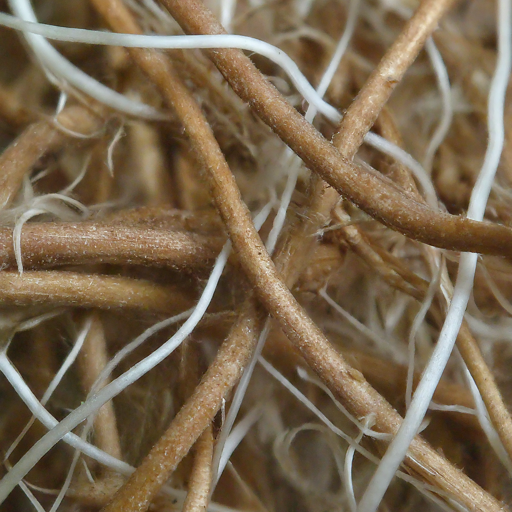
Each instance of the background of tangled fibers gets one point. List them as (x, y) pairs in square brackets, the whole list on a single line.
[(117, 199)]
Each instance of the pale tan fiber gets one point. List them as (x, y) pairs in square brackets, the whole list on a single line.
[(91, 361), (37, 140), (117, 221), (369, 190), (199, 484), (347, 384)]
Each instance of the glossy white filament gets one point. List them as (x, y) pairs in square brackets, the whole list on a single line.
[(293, 163), (464, 284), (61, 69), (215, 41), (443, 83), (93, 403), (18, 472), (98, 37)]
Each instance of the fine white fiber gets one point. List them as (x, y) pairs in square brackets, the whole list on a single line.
[(380, 296), (427, 490), (235, 438), (451, 408), (221, 453), (33, 500), (80, 176), (40, 205), (306, 32), (495, 332), (394, 314), (302, 7), (316, 483), (72, 133), (290, 159), (30, 323), (227, 11), (485, 422), (293, 164), (502, 300), (33, 206), (38, 410), (384, 146), (347, 473), (16, 234), (341, 48), (110, 151), (304, 400), (63, 98), (67, 482), (111, 365), (176, 495), (464, 284), (137, 342), (98, 37), (224, 41), (392, 349), (68, 361), (66, 73), (29, 494), (87, 471), (157, 11), (304, 375), (416, 324), (443, 83), (93, 403), (18, 472)]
